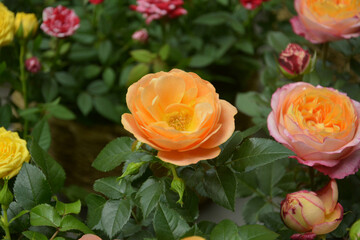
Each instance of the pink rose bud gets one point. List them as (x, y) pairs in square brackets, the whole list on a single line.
[(33, 64), (156, 9), (60, 21), (294, 60), (96, 1), (303, 236), (141, 35), (312, 212), (90, 237), (252, 4)]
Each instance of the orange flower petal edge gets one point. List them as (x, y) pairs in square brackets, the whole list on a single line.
[(180, 115)]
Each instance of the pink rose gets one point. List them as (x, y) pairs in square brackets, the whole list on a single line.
[(96, 1), (320, 125), (328, 20), (141, 35), (312, 213), (294, 60), (33, 64), (156, 9), (60, 21), (252, 4)]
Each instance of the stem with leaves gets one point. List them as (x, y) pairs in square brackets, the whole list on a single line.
[(5, 223), (54, 235), (23, 83)]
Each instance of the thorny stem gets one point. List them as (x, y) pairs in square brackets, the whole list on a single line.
[(23, 84), (5, 222)]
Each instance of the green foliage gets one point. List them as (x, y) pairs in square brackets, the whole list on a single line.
[(149, 195), (226, 229)]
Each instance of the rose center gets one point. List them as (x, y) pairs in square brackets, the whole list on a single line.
[(180, 120), (338, 9)]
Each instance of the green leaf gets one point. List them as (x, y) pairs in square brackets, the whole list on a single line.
[(5, 116), (110, 187), (53, 171), (137, 72), (97, 87), (67, 208), (252, 104), (200, 60), (115, 215), (115, 153), (34, 235), (277, 40), (105, 51), (229, 146), (269, 176), (106, 108), (70, 222), (61, 112), (168, 224), (84, 102), (95, 204), (256, 152), (143, 56), (66, 79), (245, 45), (220, 184), (109, 76), (20, 214), (91, 71), (213, 19), (226, 229), (31, 187), (44, 215), (149, 195), (272, 220), (18, 223), (254, 208), (256, 232), (164, 52), (41, 134)]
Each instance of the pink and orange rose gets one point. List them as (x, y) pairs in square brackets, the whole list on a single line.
[(312, 213), (321, 21), (180, 115), (320, 125)]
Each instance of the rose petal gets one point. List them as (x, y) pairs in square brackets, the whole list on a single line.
[(329, 196), (332, 221)]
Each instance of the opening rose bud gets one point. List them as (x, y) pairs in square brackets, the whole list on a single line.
[(313, 212), (26, 24), (294, 60), (180, 115), (141, 35), (33, 65)]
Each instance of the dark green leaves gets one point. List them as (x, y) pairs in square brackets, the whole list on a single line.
[(115, 153), (115, 215), (256, 152), (220, 184), (149, 195), (168, 224), (256, 232), (95, 205), (31, 187), (41, 134), (110, 187), (226, 229), (44, 215)]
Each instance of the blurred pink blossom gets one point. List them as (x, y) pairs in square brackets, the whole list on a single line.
[(96, 1), (33, 64), (252, 4), (141, 35)]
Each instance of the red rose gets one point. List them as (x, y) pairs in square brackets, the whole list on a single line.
[(33, 64), (156, 9), (96, 1), (251, 4), (60, 21)]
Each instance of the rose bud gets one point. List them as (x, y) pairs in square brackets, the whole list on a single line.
[(355, 231), (252, 4), (294, 61), (326, 20), (96, 1), (33, 64), (312, 212), (26, 24), (60, 21), (320, 125), (141, 35)]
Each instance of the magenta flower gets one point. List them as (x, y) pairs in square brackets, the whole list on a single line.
[(33, 64)]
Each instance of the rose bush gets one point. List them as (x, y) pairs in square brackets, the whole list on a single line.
[(28, 24), (313, 213), (320, 125), (60, 21), (180, 115), (6, 25), (13, 153), (323, 21)]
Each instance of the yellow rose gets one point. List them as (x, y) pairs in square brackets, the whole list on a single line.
[(6, 25), (13, 153), (29, 24)]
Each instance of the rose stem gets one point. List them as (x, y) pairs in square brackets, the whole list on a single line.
[(23, 84)]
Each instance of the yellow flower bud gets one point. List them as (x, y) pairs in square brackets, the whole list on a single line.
[(13, 153), (26, 24), (6, 25)]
